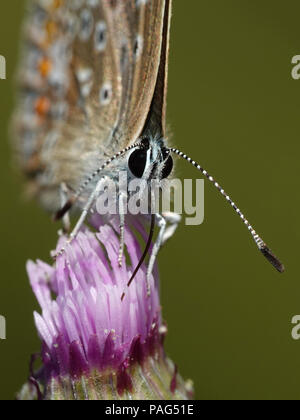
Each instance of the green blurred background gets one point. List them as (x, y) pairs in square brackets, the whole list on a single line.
[(234, 107)]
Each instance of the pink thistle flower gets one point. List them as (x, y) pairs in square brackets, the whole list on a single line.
[(95, 346)]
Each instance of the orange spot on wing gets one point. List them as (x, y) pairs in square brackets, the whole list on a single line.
[(45, 66), (42, 106)]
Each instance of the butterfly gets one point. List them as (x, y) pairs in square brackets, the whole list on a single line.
[(93, 102)]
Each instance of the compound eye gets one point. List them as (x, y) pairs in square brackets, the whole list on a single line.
[(167, 168), (137, 162)]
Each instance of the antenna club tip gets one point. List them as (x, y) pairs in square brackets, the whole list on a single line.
[(268, 254)]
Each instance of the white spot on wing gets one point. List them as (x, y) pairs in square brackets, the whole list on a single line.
[(84, 75), (140, 2), (86, 24), (105, 94), (100, 36), (138, 46), (86, 89), (93, 3), (60, 57)]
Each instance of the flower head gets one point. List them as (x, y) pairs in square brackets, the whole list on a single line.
[(88, 332)]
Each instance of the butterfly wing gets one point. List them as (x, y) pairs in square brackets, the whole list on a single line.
[(156, 120), (88, 75)]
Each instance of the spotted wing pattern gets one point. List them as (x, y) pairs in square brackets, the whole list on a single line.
[(88, 73)]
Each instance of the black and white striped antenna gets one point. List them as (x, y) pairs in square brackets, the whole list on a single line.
[(61, 212), (264, 249)]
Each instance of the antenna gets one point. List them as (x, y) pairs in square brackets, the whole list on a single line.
[(68, 205), (268, 254)]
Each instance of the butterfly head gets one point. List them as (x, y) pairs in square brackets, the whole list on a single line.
[(151, 160)]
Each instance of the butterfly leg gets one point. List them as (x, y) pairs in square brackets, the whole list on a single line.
[(164, 234), (173, 219), (122, 203), (161, 222), (83, 215), (63, 199)]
